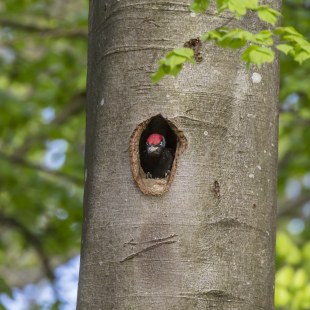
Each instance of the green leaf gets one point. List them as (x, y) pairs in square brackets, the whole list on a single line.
[(295, 39), (264, 37), (235, 38), (176, 70), (257, 55), (215, 35), (158, 75), (185, 52), (287, 30), (296, 44), (302, 56), (199, 6), (221, 5), (284, 48), (240, 7), (268, 14), (172, 63), (249, 4), (173, 60), (238, 10), (305, 47)]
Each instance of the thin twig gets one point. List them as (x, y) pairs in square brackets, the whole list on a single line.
[(24, 163), (46, 31), (225, 23), (292, 205)]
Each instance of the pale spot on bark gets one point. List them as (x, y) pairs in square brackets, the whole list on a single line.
[(101, 263), (193, 14), (251, 115), (259, 167), (85, 175), (265, 151), (205, 133), (256, 77), (251, 176), (102, 102)]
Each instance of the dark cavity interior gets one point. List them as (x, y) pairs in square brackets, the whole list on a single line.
[(159, 125)]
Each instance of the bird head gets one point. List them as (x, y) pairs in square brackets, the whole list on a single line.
[(155, 144)]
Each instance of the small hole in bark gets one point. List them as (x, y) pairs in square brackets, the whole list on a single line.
[(196, 46), (155, 147)]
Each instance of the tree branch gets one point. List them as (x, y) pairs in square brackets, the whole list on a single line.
[(290, 206), (24, 163), (46, 31), (74, 107), (32, 239), (297, 6)]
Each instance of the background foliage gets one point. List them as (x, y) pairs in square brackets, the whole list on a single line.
[(43, 47)]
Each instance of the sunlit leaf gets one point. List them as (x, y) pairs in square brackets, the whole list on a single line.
[(172, 63), (257, 55), (268, 14), (285, 48), (199, 6)]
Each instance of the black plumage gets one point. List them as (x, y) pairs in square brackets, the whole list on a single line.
[(156, 159)]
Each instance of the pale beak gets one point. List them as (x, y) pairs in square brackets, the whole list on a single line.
[(152, 149)]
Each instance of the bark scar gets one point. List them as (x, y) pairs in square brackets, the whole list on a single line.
[(219, 295), (149, 248), (131, 242)]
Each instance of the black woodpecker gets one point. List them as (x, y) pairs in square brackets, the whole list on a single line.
[(156, 159)]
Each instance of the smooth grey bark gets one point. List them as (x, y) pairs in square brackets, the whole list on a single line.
[(209, 242)]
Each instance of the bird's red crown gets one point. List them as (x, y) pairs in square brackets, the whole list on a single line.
[(154, 139)]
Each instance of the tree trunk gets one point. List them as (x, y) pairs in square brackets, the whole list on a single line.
[(208, 242)]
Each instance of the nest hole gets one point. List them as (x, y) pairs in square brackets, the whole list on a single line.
[(176, 143)]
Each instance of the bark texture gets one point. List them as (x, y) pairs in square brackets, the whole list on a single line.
[(208, 243)]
